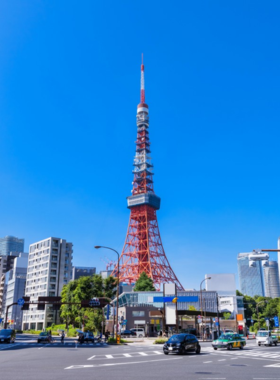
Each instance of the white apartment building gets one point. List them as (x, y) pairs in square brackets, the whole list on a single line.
[(49, 268)]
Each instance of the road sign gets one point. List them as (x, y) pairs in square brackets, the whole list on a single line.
[(276, 321), (108, 312), (94, 302), (20, 302)]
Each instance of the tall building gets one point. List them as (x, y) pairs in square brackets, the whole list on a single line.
[(278, 257), (10, 244), (250, 278), (78, 272), (6, 264), (14, 289), (10, 247), (271, 280), (143, 250), (49, 268)]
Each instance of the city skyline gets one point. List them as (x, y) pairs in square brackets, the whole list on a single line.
[(68, 96)]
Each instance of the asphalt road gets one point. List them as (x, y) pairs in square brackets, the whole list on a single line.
[(27, 360)]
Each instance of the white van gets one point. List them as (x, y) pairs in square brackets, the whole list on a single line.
[(139, 332)]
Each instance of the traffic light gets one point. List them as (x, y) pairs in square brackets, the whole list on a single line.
[(25, 305)]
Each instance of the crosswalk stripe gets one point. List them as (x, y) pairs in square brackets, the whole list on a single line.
[(127, 355), (158, 352), (143, 354), (109, 356)]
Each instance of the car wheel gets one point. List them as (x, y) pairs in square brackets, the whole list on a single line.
[(182, 351), (166, 353), (229, 347), (275, 343), (241, 347), (198, 349), (259, 344), (270, 344), (9, 341), (140, 336), (215, 348)]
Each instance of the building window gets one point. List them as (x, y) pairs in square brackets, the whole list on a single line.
[(138, 313)]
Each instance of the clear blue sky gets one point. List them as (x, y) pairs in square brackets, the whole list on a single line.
[(69, 87)]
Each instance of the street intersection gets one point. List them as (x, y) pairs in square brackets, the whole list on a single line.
[(26, 359)]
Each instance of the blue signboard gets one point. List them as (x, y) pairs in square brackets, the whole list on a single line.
[(180, 299), (276, 321), (1, 320), (108, 312), (20, 302)]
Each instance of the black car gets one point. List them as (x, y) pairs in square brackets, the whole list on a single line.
[(181, 344), (128, 333), (7, 336)]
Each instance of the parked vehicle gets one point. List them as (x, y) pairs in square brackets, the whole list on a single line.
[(181, 344), (140, 332), (44, 337), (266, 338), (229, 341), (251, 335), (7, 336), (128, 333)]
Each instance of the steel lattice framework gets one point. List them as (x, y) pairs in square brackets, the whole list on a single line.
[(143, 250)]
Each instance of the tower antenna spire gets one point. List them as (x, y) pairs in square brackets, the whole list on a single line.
[(142, 92)]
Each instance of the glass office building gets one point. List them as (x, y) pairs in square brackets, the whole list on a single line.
[(11, 244), (250, 278), (271, 280)]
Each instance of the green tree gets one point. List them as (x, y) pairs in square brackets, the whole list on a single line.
[(226, 315), (82, 289), (144, 283)]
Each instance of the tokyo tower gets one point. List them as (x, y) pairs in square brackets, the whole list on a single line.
[(143, 250)]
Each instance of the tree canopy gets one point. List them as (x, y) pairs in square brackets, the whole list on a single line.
[(267, 308), (144, 283), (85, 288)]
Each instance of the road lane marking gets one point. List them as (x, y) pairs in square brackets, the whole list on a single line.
[(273, 365), (221, 360), (208, 362), (158, 352), (115, 364), (109, 356), (127, 355), (92, 357), (143, 353)]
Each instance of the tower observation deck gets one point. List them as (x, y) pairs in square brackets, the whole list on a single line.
[(143, 250)]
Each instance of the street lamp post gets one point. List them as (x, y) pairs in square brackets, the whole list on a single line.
[(118, 277), (201, 307)]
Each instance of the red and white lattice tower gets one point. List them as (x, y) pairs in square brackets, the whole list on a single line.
[(143, 250)]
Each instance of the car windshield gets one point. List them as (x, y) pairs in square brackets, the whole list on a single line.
[(177, 338), (262, 333), (43, 334), (5, 332), (226, 336)]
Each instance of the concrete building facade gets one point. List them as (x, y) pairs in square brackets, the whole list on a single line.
[(15, 280), (49, 269), (271, 280)]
